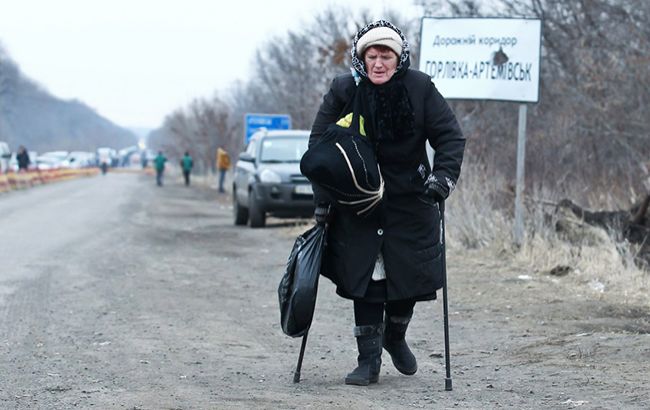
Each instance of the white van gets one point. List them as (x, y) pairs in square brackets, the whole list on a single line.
[(105, 155), (5, 156)]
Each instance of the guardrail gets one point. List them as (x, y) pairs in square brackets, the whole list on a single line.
[(22, 180)]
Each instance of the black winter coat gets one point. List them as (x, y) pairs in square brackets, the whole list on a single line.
[(406, 225)]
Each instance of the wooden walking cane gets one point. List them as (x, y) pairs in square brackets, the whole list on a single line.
[(441, 207)]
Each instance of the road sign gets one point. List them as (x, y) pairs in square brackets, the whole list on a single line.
[(482, 58), (254, 122)]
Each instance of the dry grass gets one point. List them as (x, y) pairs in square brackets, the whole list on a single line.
[(604, 270), (480, 221)]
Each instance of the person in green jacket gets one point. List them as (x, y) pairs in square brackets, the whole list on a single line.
[(186, 166), (159, 164)]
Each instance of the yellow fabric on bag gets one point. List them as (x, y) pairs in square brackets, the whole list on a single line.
[(347, 120)]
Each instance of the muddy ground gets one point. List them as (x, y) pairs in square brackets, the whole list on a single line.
[(161, 303)]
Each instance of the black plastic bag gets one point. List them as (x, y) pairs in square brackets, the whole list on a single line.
[(299, 285)]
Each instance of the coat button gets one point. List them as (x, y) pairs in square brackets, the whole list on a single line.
[(380, 232)]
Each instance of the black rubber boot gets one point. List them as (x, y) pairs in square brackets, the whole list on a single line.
[(395, 344), (369, 344)]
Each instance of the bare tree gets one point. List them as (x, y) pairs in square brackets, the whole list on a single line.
[(293, 72), (589, 132), (200, 129)]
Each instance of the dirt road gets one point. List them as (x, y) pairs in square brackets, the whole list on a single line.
[(116, 294)]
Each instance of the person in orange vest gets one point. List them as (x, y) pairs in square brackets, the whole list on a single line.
[(223, 163)]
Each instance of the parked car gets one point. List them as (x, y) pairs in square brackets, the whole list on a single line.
[(13, 162), (268, 180), (106, 155), (5, 155), (81, 159), (52, 160)]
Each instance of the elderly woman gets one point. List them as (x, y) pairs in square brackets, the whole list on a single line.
[(391, 258)]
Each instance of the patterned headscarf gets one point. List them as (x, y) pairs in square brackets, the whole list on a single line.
[(359, 65)]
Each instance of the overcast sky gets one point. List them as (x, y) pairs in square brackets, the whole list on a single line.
[(134, 61)]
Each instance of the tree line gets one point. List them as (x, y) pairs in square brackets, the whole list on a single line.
[(290, 75), (588, 133), (31, 116)]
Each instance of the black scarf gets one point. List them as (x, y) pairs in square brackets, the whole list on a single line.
[(387, 109)]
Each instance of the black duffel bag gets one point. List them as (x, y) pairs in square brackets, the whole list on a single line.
[(343, 163)]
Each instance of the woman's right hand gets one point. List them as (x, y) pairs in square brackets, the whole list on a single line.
[(322, 213)]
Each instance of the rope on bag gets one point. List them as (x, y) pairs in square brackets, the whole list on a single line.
[(375, 195)]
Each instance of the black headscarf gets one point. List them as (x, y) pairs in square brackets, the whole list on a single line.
[(386, 108)]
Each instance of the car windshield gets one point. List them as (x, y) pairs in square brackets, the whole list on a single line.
[(275, 150)]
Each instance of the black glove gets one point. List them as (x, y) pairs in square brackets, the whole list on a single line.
[(435, 189), (322, 213)]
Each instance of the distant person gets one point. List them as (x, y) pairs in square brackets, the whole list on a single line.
[(186, 165), (104, 166), (159, 163), (223, 163), (143, 160), (23, 159)]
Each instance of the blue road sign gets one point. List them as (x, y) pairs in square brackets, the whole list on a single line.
[(254, 122)]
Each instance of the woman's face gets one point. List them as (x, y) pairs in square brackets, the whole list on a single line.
[(381, 63)]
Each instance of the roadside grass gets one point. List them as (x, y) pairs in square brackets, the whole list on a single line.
[(479, 219)]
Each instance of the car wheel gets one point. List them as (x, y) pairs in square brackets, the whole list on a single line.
[(256, 213), (241, 213)]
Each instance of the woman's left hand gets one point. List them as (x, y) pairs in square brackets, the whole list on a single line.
[(434, 189)]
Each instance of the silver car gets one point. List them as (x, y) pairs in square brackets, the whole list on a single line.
[(268, 180)]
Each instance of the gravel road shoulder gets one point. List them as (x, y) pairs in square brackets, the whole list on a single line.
[(176, 308)]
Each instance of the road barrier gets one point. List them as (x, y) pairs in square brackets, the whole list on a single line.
[(12, 181)]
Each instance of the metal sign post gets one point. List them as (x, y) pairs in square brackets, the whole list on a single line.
[(518, 230)]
